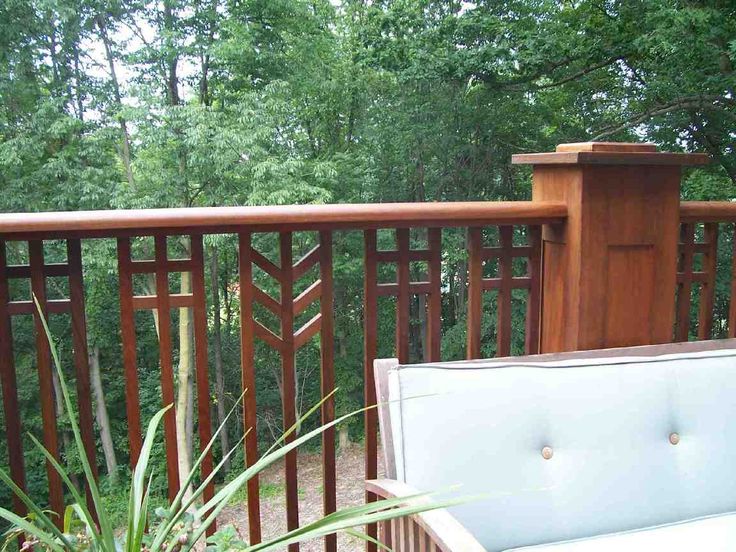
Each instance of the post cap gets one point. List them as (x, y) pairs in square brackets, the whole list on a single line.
[(609, 153)]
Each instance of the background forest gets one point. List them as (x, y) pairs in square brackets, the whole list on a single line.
[(109, 104)]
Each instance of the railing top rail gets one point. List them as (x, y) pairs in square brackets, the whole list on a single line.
[(708, 211), (276, 218)]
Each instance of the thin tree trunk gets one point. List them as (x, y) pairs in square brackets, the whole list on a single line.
[(103, 420), (217, 348), (125, 137), (184, 388)]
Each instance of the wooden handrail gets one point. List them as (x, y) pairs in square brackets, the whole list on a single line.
[(707, 211), (276, 218)]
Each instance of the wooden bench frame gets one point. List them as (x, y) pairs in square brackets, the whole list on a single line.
[(438, 530)]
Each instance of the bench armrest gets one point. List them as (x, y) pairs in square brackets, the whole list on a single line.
[(436, 530)]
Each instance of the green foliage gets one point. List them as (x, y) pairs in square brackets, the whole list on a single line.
[(183, 523), (182, 103)]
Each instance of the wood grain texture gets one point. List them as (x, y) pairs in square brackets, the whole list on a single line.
[(327, 381), (121, 222), (130, 362), (475, 292), (533, 304), (685, 281), (81, 360), (503, 342), (612, 210), (45, 378), (434, 307), (288, 381), (166, 363), (708, 287), (442, 531), (247, 359), (11, 411), (403, 279), (370, 331), (201, 363)]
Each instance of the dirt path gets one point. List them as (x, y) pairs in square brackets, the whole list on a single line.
[(350, 489)]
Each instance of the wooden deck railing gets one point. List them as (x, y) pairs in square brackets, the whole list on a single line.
[(515, 221), (517, 231)]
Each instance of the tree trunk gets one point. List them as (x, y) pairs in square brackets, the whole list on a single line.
[(124, 136), (217, 348), (103, 420), (184, 388)]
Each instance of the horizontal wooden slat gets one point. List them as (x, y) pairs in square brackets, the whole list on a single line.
[(137, 222), (176, 301), (268, 336), (307, 297), (54, 306), (393, 288), (307, 331), (494, 252), (609, 158), (305, 263), (395, 256), (266, 265), (520, 282), (693, 277), (171, 265), (707, 211), (51, 269), (266, 300)]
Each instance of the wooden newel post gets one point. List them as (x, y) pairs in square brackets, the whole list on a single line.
[(609, 271)]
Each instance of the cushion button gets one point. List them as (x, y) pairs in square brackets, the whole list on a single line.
[(674, 438), (547, 453)]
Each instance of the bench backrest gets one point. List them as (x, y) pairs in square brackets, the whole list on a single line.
[(568, 446)]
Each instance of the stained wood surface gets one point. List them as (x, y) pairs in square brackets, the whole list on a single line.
[(45, 379), (128, 338), (247, 358), (433, 530), (327, 381), (277, 218), (10, 388), (81, 360)]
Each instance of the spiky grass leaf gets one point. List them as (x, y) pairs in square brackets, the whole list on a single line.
[(106, 529)]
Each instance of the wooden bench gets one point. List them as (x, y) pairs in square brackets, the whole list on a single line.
[(574, 451)]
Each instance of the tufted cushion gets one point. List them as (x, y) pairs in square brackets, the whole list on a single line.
[(607, 423)]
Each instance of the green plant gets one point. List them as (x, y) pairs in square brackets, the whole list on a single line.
[(184, 523)]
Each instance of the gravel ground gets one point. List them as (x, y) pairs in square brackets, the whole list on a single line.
[(350, 491)]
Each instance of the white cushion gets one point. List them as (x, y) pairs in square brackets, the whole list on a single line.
[(711, 534), (608, 422)]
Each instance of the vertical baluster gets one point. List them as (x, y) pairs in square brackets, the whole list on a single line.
[(534, 266), (81, 358), (10, 388), (505, 264), (370, 307), (685, 281), (201, 361), (475, 291), (45, 375), (163, 304), (402, 301), (385, 534), (247, 356), (434, 309), (327, 381), (288, 377), (130, 363), (708, 287)]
